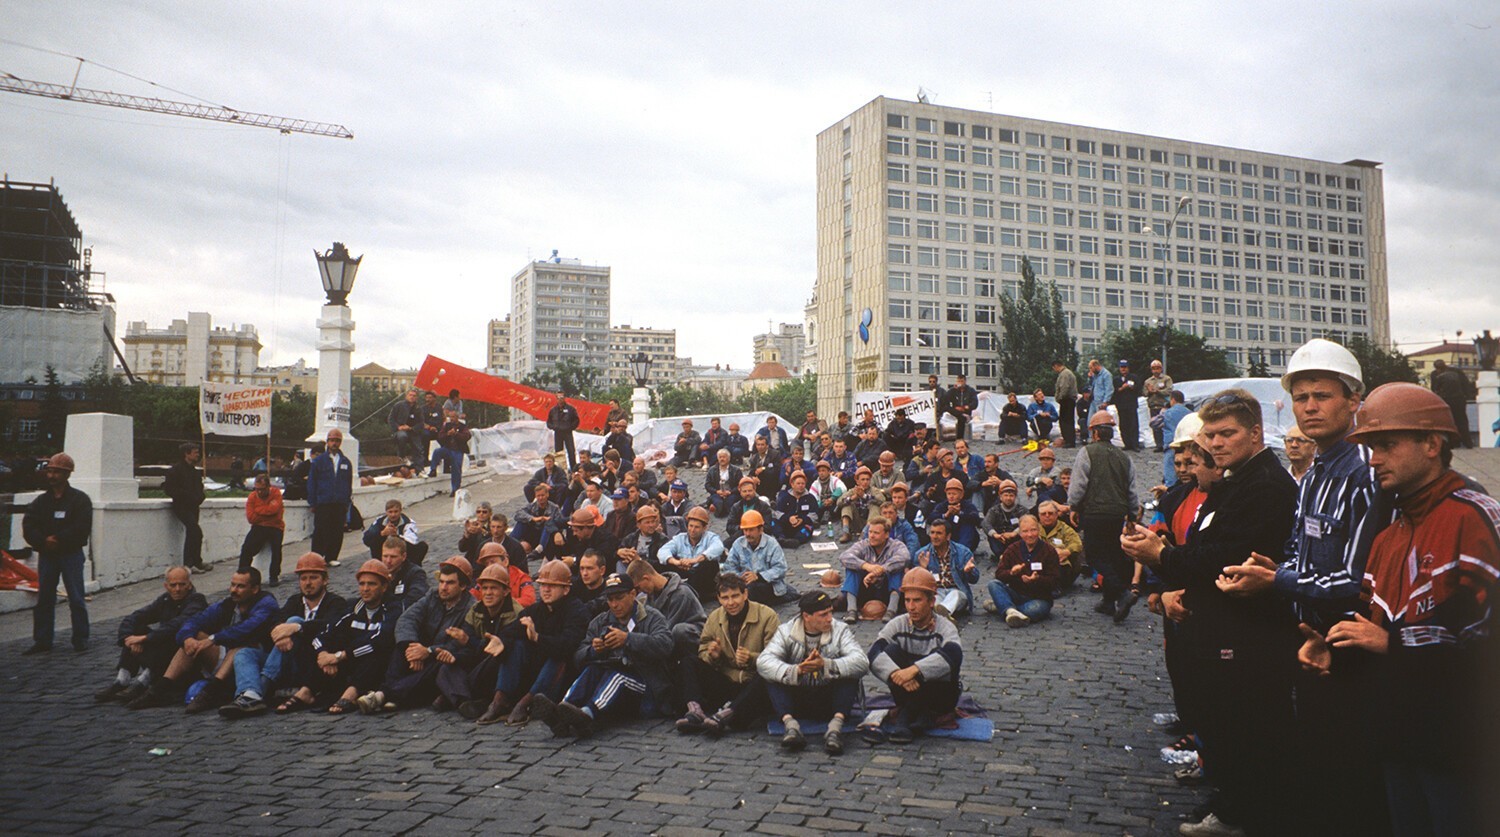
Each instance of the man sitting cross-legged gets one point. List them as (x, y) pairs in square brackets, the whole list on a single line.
[(350, 655), (952, 564), (873, 567), (695, 553), (918, 655), (488, 632), (537, 660), (148, 637), (423, 642), (677, 603), (723, 677), (1025, 577), (623, 659), (812, 669)]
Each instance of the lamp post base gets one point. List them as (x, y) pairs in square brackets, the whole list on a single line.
[(640, 405), (1488, 402)]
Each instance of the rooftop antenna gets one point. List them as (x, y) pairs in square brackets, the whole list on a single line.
[(922, 95)]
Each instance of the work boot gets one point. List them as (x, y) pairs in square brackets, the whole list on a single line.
[(521, 715), (544, 710), (581, 721), (109, 693), (1127, 601), (495, 712), (131, 692), (161, 692)]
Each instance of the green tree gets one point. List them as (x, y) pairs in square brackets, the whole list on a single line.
[(1189, 357), (1259, 368), (573, 378), (1381, 366), (1036, 333), (789, 399), (673, 400)]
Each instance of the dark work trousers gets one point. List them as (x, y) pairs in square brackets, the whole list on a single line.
[(1156, 430), (1101, 543), (477, 682), (563, 440), (703, 577), (257, 539), (1246, 729), (1130, 425), (1347, 787), (762, 591), (934, 698), (405, 687), (364, 673), (814, 703), (154, 657), (192, 542), (1067, 423), (328, 529), (712, 689)]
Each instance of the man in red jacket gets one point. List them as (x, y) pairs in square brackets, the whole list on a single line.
[(264, 511)]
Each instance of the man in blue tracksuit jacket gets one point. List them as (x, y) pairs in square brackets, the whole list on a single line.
[(330, 488)]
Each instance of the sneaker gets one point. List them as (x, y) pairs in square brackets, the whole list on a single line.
[(989, 606), (1210, 826), (334, 563), (1189, 775), (1164, 719), (244, 706), (109, 693), (1181, 758), (370, 703), (833, 742), (200, 569), (792, 741), (851, 618), (1016, 619)]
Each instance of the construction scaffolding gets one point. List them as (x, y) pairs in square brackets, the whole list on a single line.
[(42, 260)]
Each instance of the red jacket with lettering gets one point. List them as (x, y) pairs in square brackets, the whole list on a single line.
[(1429, 580)]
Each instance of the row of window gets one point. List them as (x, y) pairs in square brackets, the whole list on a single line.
[(903, 254), (961, 232), (951, 204), (900, 281), (1178, 159), (958, 312)]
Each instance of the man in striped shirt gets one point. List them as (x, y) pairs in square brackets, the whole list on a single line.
[(918, 655)]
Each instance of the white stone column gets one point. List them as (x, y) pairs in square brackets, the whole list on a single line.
[(335, 388), (640, 405), (1489, 406)]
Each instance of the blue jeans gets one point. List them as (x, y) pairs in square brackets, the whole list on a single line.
[(1005, 598), (49, 569), (455, 461), (814, 703), (516, 673), (258, 670)]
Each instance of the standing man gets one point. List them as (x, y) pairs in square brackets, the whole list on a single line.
[(1158, 397), (265, 512), (939, 395), (562, 420), (432, 424), (330, 488), (453, 441), (1101, 388), (405, 420), (1103, 494), (1066, 393), (57, 525), (184, 485), (1454, 388), (962, 402), (1126, 399)]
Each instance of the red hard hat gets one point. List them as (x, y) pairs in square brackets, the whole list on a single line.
[(496, 573), (59, 462), (312, 562), (460, 563), (872, 610), (556, 573), (374, 567), (919, 578), (1101, 419), (1402, 406)]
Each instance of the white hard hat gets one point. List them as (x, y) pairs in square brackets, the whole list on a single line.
[(1187, 430), (1319, 355)]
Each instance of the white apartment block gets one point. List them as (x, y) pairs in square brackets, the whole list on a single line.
[(497, 350), (559, 309), (659, 344), (925, 212), (191, 351)]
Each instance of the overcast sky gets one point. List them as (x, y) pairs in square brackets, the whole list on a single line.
[(675, 142)]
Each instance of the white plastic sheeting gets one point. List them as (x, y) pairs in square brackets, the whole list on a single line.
[(1275, 404), (516, 447), (71, 342)]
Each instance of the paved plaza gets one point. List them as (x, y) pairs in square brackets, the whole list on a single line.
[(1074, 750)]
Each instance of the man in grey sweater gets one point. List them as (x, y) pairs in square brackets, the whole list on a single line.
[(676, 601)]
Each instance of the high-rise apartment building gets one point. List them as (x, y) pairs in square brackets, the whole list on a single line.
[(924, 214), (497, 351), (559, 309), (659, 344)]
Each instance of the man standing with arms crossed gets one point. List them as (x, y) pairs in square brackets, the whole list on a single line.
[(1066, 393), (562, 420), (185, 486)]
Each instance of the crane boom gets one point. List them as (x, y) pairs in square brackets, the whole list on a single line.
[(13, 84)]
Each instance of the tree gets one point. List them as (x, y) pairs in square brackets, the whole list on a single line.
[(1381, 366), (1259, 368), (672, 400), (573, 378), (789, 399), (1036, 334), (1189, 357), (54, 417)]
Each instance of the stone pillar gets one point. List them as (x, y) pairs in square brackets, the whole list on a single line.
[(335, 388), (640, 405), (103, 449), (1489, 406)]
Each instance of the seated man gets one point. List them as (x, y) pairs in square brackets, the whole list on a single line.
[(485, 637), (537, 521), (520, 584), (912, 513), (588, 584), (746, 501), (934, 490), (758, 558), (674, 510), (500, 534), (870, 448), (972, 464), (714, 440), (1000, 522), (208, 642), (1043, 476), (990, 481), (350, 656), (1041, 415), (737, 445), (885, 474), (645, 542), (765, 466), (405, 421), (793, 464), (695, 553), (721, 483), (842, 461), (1012, 419), (827, 489), (620, 440), (676, 602), (1064, 539), (1025, 577), (775, 437), (408, 584), (395, 524), (623, 666), (918, 655), (474, 536), (685, 446), (808, 430), (583, 533), (550, 475), (899, 435), (540, 653), (645, 478), (723, 676), (265, 512), (812, 668), (854, 507), (619, 524), (148, 637), (257, 671), (873, 567), (963, 518), (1057, 492), (592, 499), (952, 564), (423, 644), (901, 528), (796, 511)]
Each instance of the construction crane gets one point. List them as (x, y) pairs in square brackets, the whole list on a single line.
[(14, 84)]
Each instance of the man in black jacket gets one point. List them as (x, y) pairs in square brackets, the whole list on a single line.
[(1127, 399), (722, 483), (541, 655), (148, 637), (562, 420), (184, 485), (405, 420), (432, 425), (961, 402), (1239, 653)]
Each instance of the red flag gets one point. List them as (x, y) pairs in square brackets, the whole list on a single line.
[(440, 376)]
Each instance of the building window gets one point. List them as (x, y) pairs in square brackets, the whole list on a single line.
[(896, 225), (955, 179), (897, 145), (898, 254), (895, 120), (927, 202), (927, 149), (898, 280), (928, 311), (900, 336), (957, 286), (898, 199), (927, 176), (958, 312), (927, 228), (958, 339), (927, 256), (901, 364), (953, 153), (953, 129), (899, 309)]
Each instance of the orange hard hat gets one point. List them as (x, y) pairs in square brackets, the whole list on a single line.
[(59, 462), (489, 551), (1100, 419), (496, 573), (954, 483), (919, 578), (461, 564), (698, 513), (556, 573), (374, 567), (750, 519), (1402, 406), (831, 578), (872, 610), (312, 562)]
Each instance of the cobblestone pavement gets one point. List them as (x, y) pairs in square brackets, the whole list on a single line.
[(1074, 750)]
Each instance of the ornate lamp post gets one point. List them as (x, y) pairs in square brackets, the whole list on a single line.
[(336, 348), (1488, 384), (640, 397)]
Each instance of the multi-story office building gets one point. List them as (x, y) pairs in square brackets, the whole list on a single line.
[(659, 344), (188, 352), (924, 214), (498, 348), (559, 309), (784, 345)]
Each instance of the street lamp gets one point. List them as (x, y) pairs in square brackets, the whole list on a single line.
[(1166, 277), (336, 349), (640, 398)]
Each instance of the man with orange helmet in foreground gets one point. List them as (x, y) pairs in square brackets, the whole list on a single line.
[(57, 525), (918, 655), (1429, 578)]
